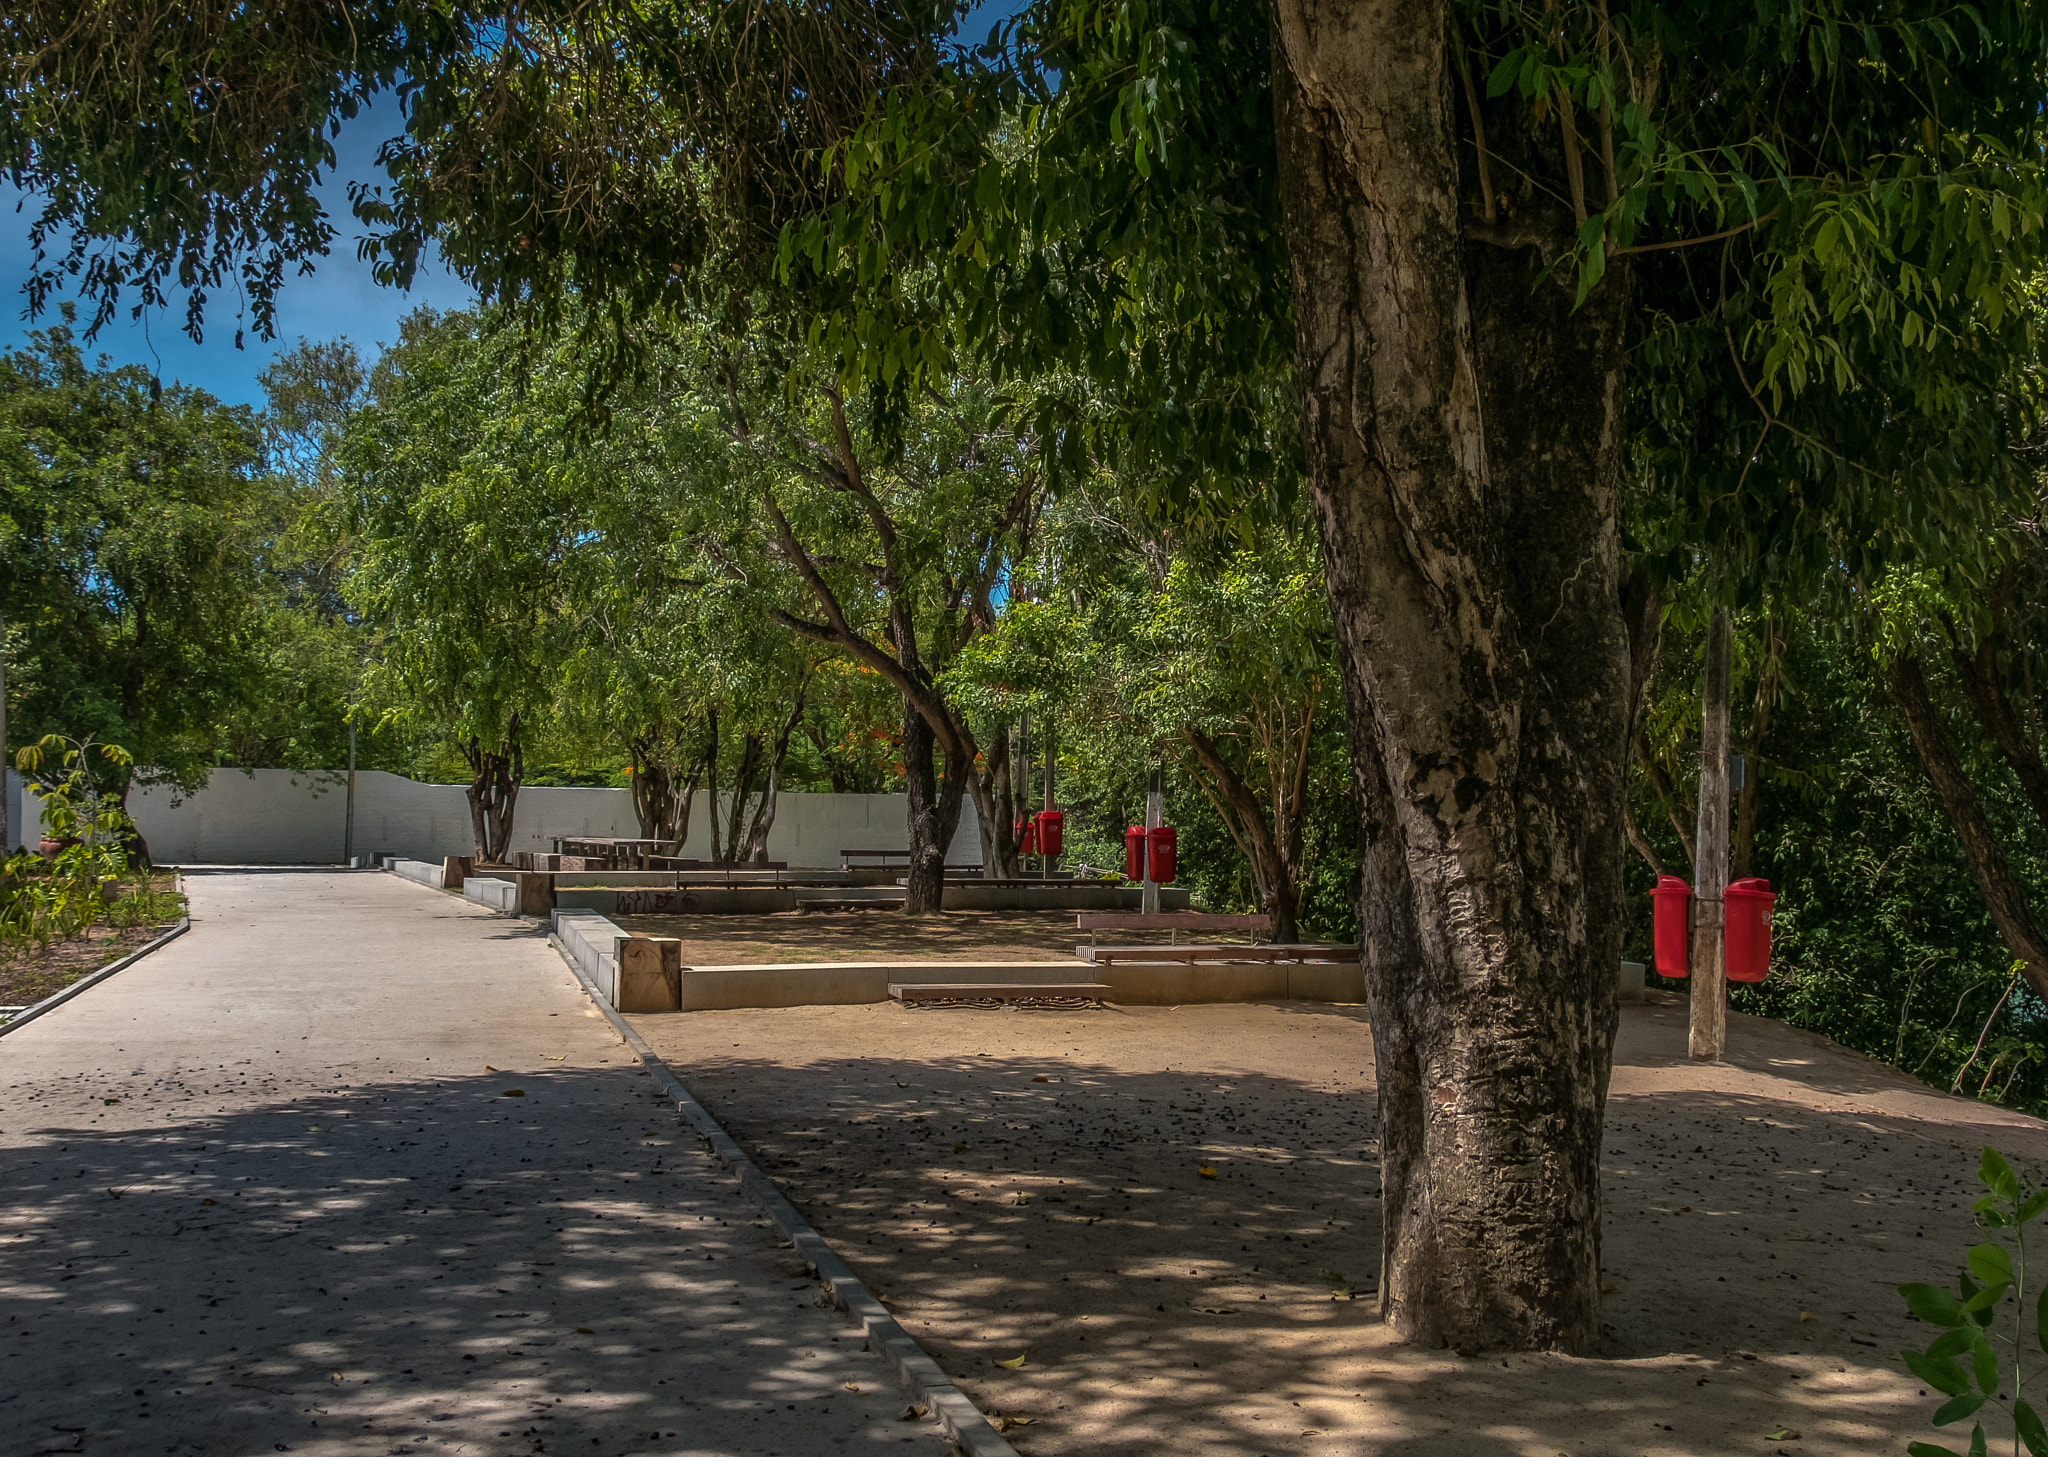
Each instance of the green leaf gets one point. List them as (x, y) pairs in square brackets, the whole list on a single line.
[(1952, 1343), (2031, 1431), (1997, 1175), (1990, 1263), (1929, 1449), (1943, 1374), (1985, 1359), (1957, 1407), (1930, 1303)]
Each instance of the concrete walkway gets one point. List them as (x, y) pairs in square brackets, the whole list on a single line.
[(352, 1168)]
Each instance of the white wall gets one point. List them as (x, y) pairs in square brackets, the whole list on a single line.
[(280, 817)]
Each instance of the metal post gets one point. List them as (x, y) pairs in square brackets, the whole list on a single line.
[(1155, 816), (1046, 867), (1708, 1033), (348, 830), (1022, 759)]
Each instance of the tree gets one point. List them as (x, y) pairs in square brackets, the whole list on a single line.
[(462, 525), (128, 566), (1474, 213)]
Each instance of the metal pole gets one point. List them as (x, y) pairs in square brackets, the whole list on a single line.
[(1708, 1034), (348, 832), (1155, 816), (6, 760), (1047, 867)]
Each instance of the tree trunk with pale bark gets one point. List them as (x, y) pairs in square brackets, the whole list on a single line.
[(1462, 426)]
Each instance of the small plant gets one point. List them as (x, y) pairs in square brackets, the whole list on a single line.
[(42, 901), (1964, 1363)]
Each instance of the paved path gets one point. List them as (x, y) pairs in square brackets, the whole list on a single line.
[(266, 1192)]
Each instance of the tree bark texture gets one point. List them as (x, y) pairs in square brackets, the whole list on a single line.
[(996, 807), (2005, 894), (1270, 840), (1707, 1033), (1984, 685), (1462, 424), (494, 779), (934, 813), (664, 791)]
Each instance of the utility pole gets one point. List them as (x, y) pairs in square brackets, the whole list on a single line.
[(1046, 867), (6, 763), (348, 830), (1709, 1030), (1155, 816)]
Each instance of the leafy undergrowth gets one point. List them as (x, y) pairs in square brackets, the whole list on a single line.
[(137, 915)]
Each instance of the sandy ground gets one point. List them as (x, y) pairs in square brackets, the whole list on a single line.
[(269, 1191), (873, 936), (30, 973), (1029, 1183)]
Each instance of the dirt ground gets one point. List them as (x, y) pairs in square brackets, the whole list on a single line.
[(30, 973), (1031, 1183), (870, 936)]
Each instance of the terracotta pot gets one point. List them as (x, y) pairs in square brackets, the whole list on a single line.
[(51, 849)]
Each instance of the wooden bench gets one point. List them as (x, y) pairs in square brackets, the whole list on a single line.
[(846, 857), (1295, 952), (1174, 921), (996, 993)]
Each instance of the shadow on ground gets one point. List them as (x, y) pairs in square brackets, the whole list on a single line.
[(429, 1266), (1186, 1258)]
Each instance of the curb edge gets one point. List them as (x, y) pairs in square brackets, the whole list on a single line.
[(916, 1372)]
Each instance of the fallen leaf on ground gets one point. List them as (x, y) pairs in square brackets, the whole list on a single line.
[(1014, 1362), (1805, 1316), (1040, 1078), (489, 1069), (1004, 1423), (515, 1092), (209, 1201), (584, 1330), (911, 1414), (850, 1386), (1213, 1309), (1206, 1172), (554, 1056), (1783, 1434), (110, 1102)]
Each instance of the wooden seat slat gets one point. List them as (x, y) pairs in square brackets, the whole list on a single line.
[(1168, 920), (1189, 954), (1003, 991)]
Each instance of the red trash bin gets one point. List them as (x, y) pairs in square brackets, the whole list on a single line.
[(1134, 853), (1164, 849), (1746, 949), (1027, 837), (1671, 925), (1051, 824)]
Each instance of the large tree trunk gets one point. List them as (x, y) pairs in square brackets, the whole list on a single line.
[(934, 813), (663, 793), (771, 792), (494, 779), (1270, 840), (2005, 895), (1462, 425), (1984, 686)]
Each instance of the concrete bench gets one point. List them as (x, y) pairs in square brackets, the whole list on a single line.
[(995, 993), (1173, 921), (492, 893), (1189, 955)]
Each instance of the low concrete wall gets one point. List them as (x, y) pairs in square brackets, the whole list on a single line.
[(691, 901), (419, 870), (592, 943), (1058, 896), (846, 983), (501, 896)]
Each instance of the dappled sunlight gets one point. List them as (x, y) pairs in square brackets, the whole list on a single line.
[(1032, 1183)]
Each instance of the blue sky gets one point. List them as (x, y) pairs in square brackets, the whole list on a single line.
[(337, 298)]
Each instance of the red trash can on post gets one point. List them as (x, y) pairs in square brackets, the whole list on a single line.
[(1164, 850), (1746, 950), (1134, 853), (1027, 836), (1671, 925), (1051, 824)]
